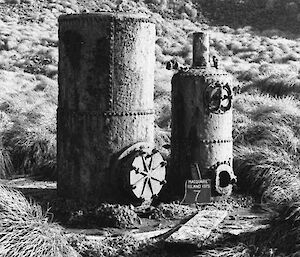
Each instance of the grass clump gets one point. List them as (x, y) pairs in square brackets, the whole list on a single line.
[(32, 149), (121, 246), (6, 166), (116, 216), (103, 215), (172, 211), (25, 230), (28, 124), (240, 250), (266, 151), (279, 85), (260, 169), (267, 142), (266, 122)]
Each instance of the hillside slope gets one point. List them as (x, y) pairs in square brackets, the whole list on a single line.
[(262, 56)]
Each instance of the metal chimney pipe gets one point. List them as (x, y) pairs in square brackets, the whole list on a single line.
[(200, 49)]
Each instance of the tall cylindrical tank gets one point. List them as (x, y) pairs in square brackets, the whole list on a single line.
[(202, 122), (106, 83)]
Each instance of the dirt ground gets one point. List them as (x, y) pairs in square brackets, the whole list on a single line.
[(168, 229), (142, 219)]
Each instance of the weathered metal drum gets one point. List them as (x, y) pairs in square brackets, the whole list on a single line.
[(202, 122), (106, 83)]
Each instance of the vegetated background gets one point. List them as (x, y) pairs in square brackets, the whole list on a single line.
[(257, 41)]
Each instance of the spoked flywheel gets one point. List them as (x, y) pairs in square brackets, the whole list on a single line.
[(147, 175), (144, 171)]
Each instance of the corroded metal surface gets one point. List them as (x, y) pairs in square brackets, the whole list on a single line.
[(106, 77), (200, 49), (201, 122)]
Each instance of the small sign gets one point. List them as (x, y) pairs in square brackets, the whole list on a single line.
[(197, 191)]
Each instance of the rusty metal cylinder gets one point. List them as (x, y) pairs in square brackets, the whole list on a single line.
[(106, 84), (200, 49), (202, 122)]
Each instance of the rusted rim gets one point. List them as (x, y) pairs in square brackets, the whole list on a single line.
[(106, 16)]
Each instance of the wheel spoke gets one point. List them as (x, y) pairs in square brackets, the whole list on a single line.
[(145, 164), (144, 186), (159, 165), (156, 161), (137, 181), (150, 186), (156, 180), (150, 164)]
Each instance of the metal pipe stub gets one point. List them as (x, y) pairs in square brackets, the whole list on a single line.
[(200, 49)]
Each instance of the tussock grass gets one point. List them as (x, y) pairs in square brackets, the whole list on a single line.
[(261, 169), (28, 125), (266, 128), (25, 231), (240, 250), (34, 49), (6, 166), (266, 121), (263, 133), (119, 246), (32, 149), (103, 215), (266, 150), (279, 86), (267, 142)]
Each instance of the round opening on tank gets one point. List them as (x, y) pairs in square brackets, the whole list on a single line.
[(225, 179)]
